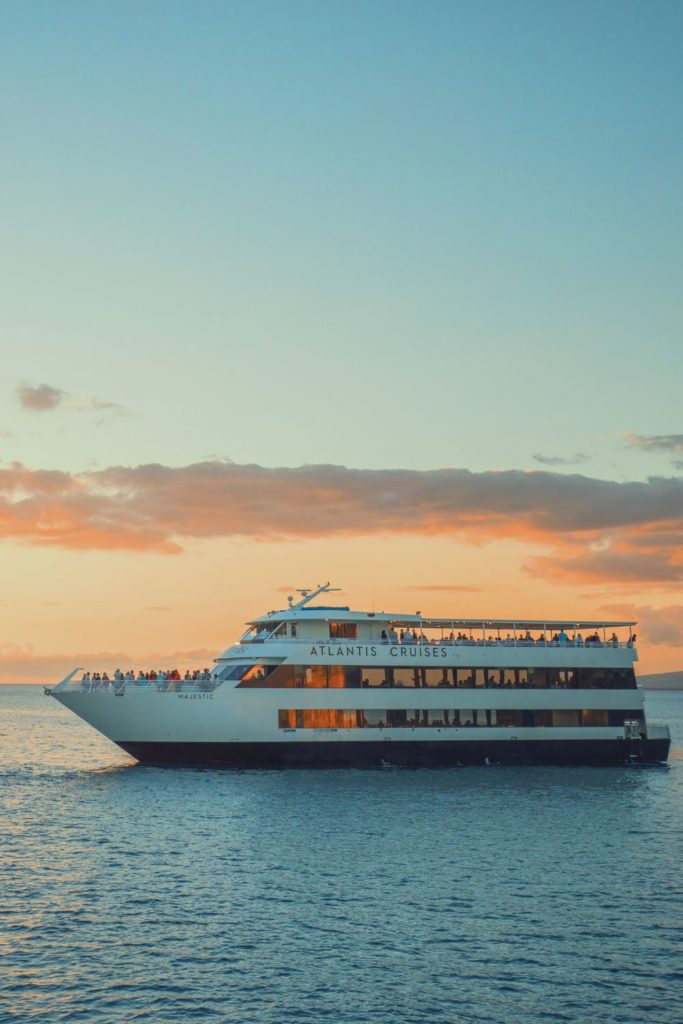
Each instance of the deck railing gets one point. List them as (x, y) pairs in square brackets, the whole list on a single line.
[(471, 642)]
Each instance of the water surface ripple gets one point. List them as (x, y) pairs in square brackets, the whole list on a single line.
[(470, 895)]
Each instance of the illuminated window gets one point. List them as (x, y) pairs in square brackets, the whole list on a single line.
[(343, 630), (446, 718)]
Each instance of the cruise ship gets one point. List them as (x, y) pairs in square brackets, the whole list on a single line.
[(318, 684)]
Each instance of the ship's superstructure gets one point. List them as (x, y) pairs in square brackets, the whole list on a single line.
[(320, 684)]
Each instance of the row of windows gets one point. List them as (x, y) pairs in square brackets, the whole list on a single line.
[(356, 677), (318, 718)]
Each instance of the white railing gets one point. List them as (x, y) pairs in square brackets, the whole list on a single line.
[(471, 642)]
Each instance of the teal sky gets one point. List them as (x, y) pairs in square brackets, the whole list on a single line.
[(377, 234)]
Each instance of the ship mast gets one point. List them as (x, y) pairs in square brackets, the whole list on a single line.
[(307, 595)]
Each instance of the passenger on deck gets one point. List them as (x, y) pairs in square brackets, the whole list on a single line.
[(562, 637), (385, 638)]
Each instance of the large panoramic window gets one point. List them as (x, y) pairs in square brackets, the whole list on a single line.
[(416, 677), (411, 718)]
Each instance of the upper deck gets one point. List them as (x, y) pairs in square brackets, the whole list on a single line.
[(320, 633), (329, 623)]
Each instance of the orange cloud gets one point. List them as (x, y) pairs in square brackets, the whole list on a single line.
[(592, 530), (39, 398)]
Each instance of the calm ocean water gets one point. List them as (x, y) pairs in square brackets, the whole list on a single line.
[(134, 894)]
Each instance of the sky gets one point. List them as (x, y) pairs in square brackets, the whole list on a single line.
[(386, 293)]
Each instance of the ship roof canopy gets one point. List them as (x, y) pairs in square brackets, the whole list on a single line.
[(345, 614)]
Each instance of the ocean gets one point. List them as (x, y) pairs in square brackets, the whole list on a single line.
[(131, 894)]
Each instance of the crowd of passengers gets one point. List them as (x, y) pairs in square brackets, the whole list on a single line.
[(169, 679), (468, 684), (409, 636)]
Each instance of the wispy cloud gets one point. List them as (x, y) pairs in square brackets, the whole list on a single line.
[(92, 403), (559, 460), (590, 530), (669, 444), (46, 398)]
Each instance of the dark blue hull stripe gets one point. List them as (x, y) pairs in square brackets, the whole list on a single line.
[(412, 754)]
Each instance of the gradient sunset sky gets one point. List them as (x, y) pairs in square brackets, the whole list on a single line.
[(386, 293)]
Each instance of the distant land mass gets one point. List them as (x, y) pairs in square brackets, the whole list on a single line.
[(662, 681)]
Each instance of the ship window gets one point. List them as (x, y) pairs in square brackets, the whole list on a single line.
[(442, 718), (591, 717), (250, 674), (236, 671), (566, 718), (258, 675), (508, 718), (373, 677), (272, 676), (605, 678), (402, 676), (343, 630), (465, 676), (353, 676)]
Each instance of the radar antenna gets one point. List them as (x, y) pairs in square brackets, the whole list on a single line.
[(308, 595)]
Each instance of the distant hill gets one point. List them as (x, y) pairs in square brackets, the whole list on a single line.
[(662, 681)]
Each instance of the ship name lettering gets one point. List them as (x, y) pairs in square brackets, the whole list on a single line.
[(370, 651)]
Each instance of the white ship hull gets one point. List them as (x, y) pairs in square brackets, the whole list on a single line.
[(240, 728)]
